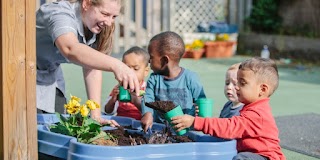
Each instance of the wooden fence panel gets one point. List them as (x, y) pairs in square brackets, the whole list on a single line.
[(18, 110)]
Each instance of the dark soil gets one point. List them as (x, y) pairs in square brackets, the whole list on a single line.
[(162, 106), (126, 138)]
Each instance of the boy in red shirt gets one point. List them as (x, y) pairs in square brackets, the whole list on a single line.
[(254, 129), (137, 59)]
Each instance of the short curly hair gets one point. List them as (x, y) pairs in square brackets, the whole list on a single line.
[(265, 70), (138, 51), (169, 43)]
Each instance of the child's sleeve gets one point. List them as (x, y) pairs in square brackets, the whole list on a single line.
[(149, 95), (196, 87), (116, 105)]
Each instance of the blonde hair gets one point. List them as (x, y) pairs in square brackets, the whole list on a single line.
[(234, 67), (105, 37), (265, 70)]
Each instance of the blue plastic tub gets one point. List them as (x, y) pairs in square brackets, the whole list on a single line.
[(195, 150), (54, 144), (66, 147)]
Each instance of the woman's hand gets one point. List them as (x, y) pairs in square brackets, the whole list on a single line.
[(126, 77), (111, 123)]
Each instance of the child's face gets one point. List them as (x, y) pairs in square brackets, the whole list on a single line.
[(248, 88), (155, 58), (230, 85), (136, 62)]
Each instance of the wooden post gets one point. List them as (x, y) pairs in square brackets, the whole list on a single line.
[(18, 126)]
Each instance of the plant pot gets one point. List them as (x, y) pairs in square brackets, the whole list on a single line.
[(219, 49), (195, 54)]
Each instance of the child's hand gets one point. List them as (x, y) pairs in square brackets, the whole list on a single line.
[(182, 122), (146, 121), (115, 93), (196, 109), (136, 100)]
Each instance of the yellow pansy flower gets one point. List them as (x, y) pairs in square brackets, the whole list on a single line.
[(92, 104), (97, 105), (84, 110), (71, 109), (74, 98)]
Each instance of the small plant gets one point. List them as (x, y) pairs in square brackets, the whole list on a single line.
[(195, 45), (222, 37), (79, 124)]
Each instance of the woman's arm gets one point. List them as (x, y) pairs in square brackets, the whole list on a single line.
[(87, 57), (93, 82)]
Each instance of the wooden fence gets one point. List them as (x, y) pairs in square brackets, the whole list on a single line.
[(18, 126)]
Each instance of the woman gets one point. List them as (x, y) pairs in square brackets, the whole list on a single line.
[(79, 32)]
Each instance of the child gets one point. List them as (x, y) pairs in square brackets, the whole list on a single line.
[(169, 81), (137, 59), (233, 106), (254, 129)]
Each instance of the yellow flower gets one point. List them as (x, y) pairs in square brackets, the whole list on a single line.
[(197, 44), (222, 37), (73, 105), (188, 47), (92, 104), (74, 98), (97, 105), (84, 110), (71, 109)]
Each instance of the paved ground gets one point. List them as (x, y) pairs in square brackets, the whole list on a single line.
[(297, 93)]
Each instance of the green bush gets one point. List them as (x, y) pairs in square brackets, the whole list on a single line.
[(264, 17)]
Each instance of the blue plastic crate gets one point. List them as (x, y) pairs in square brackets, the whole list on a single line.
[(217, 27), (66, 147)]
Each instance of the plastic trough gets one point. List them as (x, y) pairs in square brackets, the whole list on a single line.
[(66, 147)]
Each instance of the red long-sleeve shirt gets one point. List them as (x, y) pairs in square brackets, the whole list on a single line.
[(255, 130)]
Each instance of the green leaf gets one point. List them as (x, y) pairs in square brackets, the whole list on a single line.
[(59, 128), (62, 119), (74, 129), (142, 92), (101, 135), (92, 124), (85, 137)]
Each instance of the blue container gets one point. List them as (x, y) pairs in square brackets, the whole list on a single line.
[(54, 144), (47, 118), (66, 147), (218, 151), (217, 27)]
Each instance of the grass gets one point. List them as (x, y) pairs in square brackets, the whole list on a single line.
[(298, 91)]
